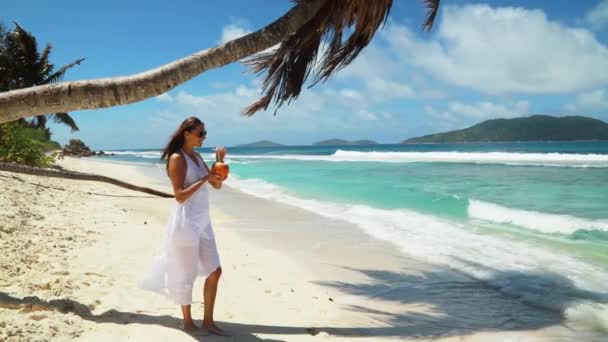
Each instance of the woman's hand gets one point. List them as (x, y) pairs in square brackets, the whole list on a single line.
[(220, 153), (214, 180)]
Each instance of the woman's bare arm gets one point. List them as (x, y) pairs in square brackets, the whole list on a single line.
[(177, 174), (213, 179)]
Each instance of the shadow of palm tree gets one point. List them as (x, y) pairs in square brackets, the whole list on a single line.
[(457, 304), (239, 331)]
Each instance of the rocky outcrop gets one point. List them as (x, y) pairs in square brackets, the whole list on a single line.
[(77, 148)]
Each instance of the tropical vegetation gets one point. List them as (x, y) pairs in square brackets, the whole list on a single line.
[(22, 65)]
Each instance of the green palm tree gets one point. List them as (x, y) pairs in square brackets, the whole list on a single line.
[(23, 66)]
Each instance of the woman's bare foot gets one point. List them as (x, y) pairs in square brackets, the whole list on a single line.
[(189, 326), (214, 329)]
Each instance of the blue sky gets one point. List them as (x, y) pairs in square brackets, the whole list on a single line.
[(482, 60)]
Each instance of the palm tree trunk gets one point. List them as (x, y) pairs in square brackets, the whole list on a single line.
[(90, 94), (35, 171)]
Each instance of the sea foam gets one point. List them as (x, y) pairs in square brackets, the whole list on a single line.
[(506, 158)]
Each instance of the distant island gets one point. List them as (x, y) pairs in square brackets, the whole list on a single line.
[(532, 128), (261, 143), (340, 142)]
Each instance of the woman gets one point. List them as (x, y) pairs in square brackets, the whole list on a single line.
[(189, 247)]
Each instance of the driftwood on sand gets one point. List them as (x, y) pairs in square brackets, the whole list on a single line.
[(35, 171)]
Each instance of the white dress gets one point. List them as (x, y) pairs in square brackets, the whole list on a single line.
[(189, 249)]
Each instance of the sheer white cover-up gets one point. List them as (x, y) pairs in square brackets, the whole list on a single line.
[(189, 249)]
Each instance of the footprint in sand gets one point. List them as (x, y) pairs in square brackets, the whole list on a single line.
[(37, 317), (94, 274), (44, 286)]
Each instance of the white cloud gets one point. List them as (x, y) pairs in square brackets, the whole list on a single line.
[(318, 113), (485, 110), (459, 114), (233, 31), (383, 77), (388, 89), (165, 97), (367, 115), (350, 95), (373, 62), (597, 17), (164, 118), (221, 112), (596, 100), (186, 99), (505, 50)]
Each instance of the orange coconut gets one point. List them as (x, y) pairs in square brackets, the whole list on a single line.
[(220, 169)]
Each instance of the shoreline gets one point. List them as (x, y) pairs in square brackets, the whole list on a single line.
[(288, 274)]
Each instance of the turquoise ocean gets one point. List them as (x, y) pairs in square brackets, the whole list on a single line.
[(480, 208)]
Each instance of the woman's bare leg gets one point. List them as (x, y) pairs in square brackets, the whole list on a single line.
[(182, 281), (188, 323), (209, 294)]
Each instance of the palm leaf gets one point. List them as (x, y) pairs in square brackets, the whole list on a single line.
[(39, 121), (432, 7), (5, 68), (44, 66), (66, 119), (3, 36), (289, 66), (58, 75), (25, 53)]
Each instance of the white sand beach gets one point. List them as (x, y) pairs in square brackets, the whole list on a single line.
[(74, 251)]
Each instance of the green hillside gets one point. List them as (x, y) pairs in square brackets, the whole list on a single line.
[(533, 128)]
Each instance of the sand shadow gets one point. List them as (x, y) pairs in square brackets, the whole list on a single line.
[(239, 331), (460, 305)]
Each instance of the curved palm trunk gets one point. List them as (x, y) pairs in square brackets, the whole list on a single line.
[(35, 171), (108, 92)]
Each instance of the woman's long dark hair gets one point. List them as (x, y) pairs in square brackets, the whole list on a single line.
[(177, 139)]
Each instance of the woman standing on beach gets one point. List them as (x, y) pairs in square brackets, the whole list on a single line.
[(189, 249)]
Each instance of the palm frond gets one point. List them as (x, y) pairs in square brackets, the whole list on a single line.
[(26, 47), (292, 63), (5, 62), (39, 121), (44, 66), (3, 34), (58, 75), (432, 7), (289, 66), (66, 119)]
